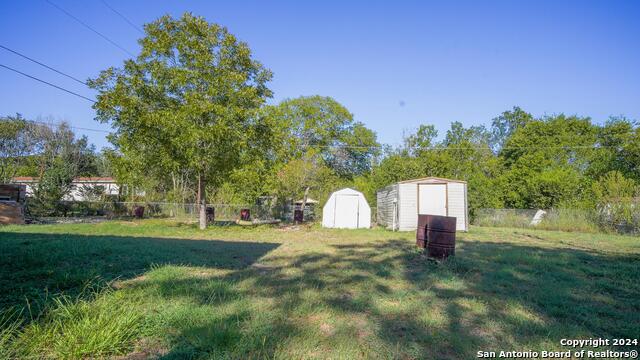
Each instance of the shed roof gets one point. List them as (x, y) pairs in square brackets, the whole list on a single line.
[(431, 178), (348, 191)]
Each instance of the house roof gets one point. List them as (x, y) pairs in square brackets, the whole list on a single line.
[(431, 178), (23, 178), (97, 179), (78, 179)]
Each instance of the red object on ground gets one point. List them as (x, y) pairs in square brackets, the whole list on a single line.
[(245, 215), (138, 212)]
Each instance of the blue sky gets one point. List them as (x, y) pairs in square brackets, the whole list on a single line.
[(393, 64)]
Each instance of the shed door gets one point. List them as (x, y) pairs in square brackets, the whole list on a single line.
[(432, 199), (346, 211)]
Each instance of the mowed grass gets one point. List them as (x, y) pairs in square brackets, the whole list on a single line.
[(158, 289)]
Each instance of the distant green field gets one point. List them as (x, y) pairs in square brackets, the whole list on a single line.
[(157, 289)]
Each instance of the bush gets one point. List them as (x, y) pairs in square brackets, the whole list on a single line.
[(616, 205)]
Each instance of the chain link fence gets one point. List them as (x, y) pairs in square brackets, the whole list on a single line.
[(605, 219), (91, 211)]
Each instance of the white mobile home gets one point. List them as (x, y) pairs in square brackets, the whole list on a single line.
[(82, 188), (399, 204), (347, 209)]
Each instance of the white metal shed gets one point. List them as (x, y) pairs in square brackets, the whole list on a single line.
[(348, 209), (399, 204)]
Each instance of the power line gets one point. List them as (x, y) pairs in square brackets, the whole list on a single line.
[(90, 28), (382, 146), (449, 148), (123, 17), (70, 126), (46, 82), (44, 65)]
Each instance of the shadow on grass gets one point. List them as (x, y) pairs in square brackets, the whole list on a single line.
[(379, 299), (37, 266), (395, 303)]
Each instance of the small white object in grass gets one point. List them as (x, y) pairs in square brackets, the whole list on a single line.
[(537, 218)]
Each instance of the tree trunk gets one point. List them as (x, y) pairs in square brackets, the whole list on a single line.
[(304, 201), (202, 202)]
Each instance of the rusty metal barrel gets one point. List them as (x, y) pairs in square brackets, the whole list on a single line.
[(437, 234), (138, 212), (211, 214)]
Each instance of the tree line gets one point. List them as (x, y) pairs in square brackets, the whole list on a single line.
[(192, 124), (524, 162)]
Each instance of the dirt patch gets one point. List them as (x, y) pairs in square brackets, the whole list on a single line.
[(530, 236), (289, 228), (145, 349), (121, 284), (262, 268), (362, 327), (327, 329)]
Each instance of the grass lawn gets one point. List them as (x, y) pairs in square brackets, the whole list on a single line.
[(158, 289)]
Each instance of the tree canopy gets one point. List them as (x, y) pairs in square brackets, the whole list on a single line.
[(187, 103)]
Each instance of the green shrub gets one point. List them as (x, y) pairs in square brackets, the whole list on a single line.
[(615, 201)]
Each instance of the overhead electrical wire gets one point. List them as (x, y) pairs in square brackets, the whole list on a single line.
[(474, 147), (321, 146), (381, 146), (48, 83), (72, 127), (133, 25), (89, 27), (43, 65)]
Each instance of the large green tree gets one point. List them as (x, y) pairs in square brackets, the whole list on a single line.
[(325, 127), (504, 125), (317, 145), (618, 142), (186, 101), (546, 161)]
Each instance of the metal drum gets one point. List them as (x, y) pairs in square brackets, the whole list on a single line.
[(437, 234), (245, 215)]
